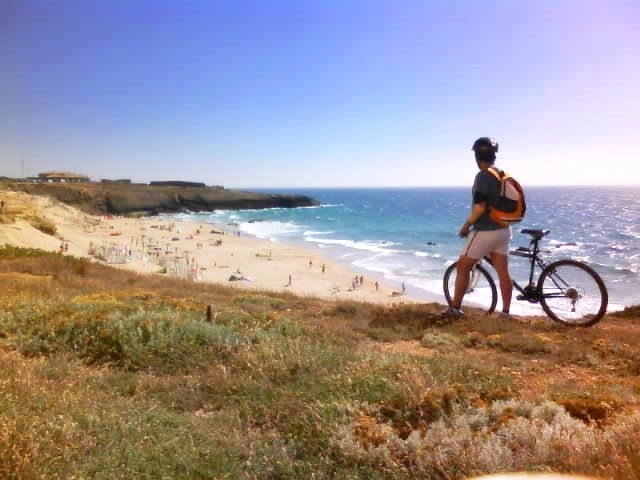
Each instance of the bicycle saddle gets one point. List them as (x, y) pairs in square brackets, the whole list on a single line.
[(536, 234)]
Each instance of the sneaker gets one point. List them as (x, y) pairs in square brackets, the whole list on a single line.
[(504, 315), (452, 312)]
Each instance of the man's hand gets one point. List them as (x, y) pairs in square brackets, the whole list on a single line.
[(476, 212)]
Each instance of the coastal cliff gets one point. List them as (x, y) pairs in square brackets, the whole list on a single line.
[(138, 198)]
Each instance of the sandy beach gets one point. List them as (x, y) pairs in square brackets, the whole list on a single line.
[(198, 251)]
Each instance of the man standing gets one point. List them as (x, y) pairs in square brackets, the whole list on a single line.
[(484, 237)]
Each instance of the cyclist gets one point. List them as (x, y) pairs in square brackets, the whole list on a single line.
[(483, 236)]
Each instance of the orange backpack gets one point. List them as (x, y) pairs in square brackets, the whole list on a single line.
[(510, 206)]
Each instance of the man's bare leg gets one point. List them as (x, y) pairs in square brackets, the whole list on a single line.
[(465, 264), (501, 264)]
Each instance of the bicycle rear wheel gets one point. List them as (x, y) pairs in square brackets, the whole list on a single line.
[(481, 291), (572, 293)]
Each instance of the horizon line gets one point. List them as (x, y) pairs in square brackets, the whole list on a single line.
[(612, 185)]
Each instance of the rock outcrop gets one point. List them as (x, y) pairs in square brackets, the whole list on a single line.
[(138, 198)]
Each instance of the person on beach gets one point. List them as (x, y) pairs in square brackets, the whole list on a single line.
[(483, 236)]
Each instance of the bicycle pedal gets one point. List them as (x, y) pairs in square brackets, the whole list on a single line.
[(522, 297)]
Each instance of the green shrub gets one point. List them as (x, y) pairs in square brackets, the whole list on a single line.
[(517, 342), (10, 251), (439, 339), (160, 340), (390, 334), (345, 309), (149, 442), (237, 319), (260, 301)]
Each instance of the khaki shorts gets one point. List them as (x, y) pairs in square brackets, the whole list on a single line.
[(481, 243)]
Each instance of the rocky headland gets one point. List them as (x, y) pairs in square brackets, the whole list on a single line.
[(124, 199)]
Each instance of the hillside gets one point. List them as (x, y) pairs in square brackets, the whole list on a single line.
[(109, 374), (117, 198)]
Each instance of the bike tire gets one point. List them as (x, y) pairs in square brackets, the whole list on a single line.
[(576, 277), (447, 285)]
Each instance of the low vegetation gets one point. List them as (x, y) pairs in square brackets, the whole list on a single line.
[(107, 374), (17, 207), (45, 226)]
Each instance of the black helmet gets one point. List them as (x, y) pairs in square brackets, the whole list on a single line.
[(485, 145)]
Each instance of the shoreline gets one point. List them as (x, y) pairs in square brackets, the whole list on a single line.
[(197, 250), (413, 294), (209, 251)]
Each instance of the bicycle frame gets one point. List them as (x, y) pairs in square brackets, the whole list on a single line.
[(530, 291), (533, 261)]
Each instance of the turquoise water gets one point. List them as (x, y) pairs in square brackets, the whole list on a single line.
[(410, 235)]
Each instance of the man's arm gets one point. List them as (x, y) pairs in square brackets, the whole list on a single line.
[(476, 212), (480, 199)]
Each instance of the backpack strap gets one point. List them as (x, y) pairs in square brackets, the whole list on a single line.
[(500, 175)]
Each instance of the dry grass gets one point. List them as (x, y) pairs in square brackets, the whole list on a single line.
[(42, 224), (110, 374), (20, 207), (454, 442), (629, 312)]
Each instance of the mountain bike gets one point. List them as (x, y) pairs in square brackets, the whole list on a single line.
[(569, 291)]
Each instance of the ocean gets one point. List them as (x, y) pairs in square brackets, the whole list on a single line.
[(410, 234)]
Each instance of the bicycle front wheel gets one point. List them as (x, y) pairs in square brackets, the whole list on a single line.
[(572, 293), (481, 291)]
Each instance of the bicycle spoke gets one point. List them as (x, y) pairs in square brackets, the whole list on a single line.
[(481, 292), (573, 293)]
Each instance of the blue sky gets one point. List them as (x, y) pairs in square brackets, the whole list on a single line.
[(324, 93)]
